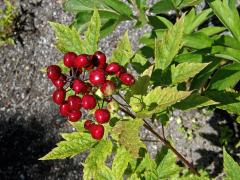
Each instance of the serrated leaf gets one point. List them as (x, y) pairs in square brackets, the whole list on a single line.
[(226, 77), (126, 132), (166, 164), (94, 166), (194, 101), (197, 41), (167, 48), (165, 97), (228, 15), (146, 164), (68, 39), (186, 3), (123, 53), (231, 168), (162, 6), (73, 144), (139, 63), (133, 177), (93, 33), (212, 30), (120, 162), (182, 72)]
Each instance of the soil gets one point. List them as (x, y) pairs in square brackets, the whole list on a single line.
[(30, 123)]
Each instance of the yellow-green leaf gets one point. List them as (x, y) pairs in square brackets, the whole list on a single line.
[(231, 168)]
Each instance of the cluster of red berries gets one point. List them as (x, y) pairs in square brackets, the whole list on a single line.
[(87, 74)]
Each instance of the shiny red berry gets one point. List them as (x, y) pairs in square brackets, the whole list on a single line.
[(113, 68), (87, 124), (127, 79), (64, 109), (79, 86), (88, 102), (59, 96), (97, 77), (102, 115), (74, 116), (100, 58), (60, 82), (97, 131), (108, 88), (53, 72), (69, 59), (75, 103), (82, 60), (121, 71)]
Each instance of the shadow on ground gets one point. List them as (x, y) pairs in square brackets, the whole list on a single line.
[(22, 143), (228, 133)]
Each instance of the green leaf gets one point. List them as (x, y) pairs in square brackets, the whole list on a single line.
[(189, 57), (123, 53), (212, 30), (92, 34), (139, 63), (226, 77), (146, 163), (94, 166), (165, 97), (167, 48), (197, 41), (166, 164), (120, 162), (133, 177), (227, 15), (73, 144), (186, 3), (194, 101), (68, 39), (231, 168), (193, 20), (227, 41), (182, 72), (158, 22), (126, 132), (162, 6)]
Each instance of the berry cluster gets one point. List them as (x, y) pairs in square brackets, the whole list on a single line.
[(87, 74)]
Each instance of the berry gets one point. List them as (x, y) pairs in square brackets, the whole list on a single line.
[(90, 67), (121, 71), (79, 86), (99, 59), (108, 88), (82, 60), (97, 131), (74, 102), (59, 96), (69, 59), (87, 124), (127, 79), (97, 77), (64, 109), (53, 72), (113, 68), (102, 115), (60, 82), (88, 102), (74, 116)]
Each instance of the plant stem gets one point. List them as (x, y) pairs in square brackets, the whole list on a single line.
[(165, 142)]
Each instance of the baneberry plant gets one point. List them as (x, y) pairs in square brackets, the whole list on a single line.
[(191, 67)]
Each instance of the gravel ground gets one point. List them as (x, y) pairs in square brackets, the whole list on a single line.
[(30, 123)]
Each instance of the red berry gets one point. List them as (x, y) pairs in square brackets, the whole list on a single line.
[(100, 58), (59, 96), (60, 82), (108, 88), (90, 67), (74, 102), (82, 60), (127, 79), (121, 71), (113, 68), (74, 116), (87, 124), (102, 115), (97, 131), (53, 72), (79, 86), (64, 109), (88, 102), (69, 59), (97, 77)]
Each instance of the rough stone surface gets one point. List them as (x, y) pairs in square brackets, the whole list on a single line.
[(30, 122)]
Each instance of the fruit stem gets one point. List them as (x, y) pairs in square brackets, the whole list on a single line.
[(165, 142)]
